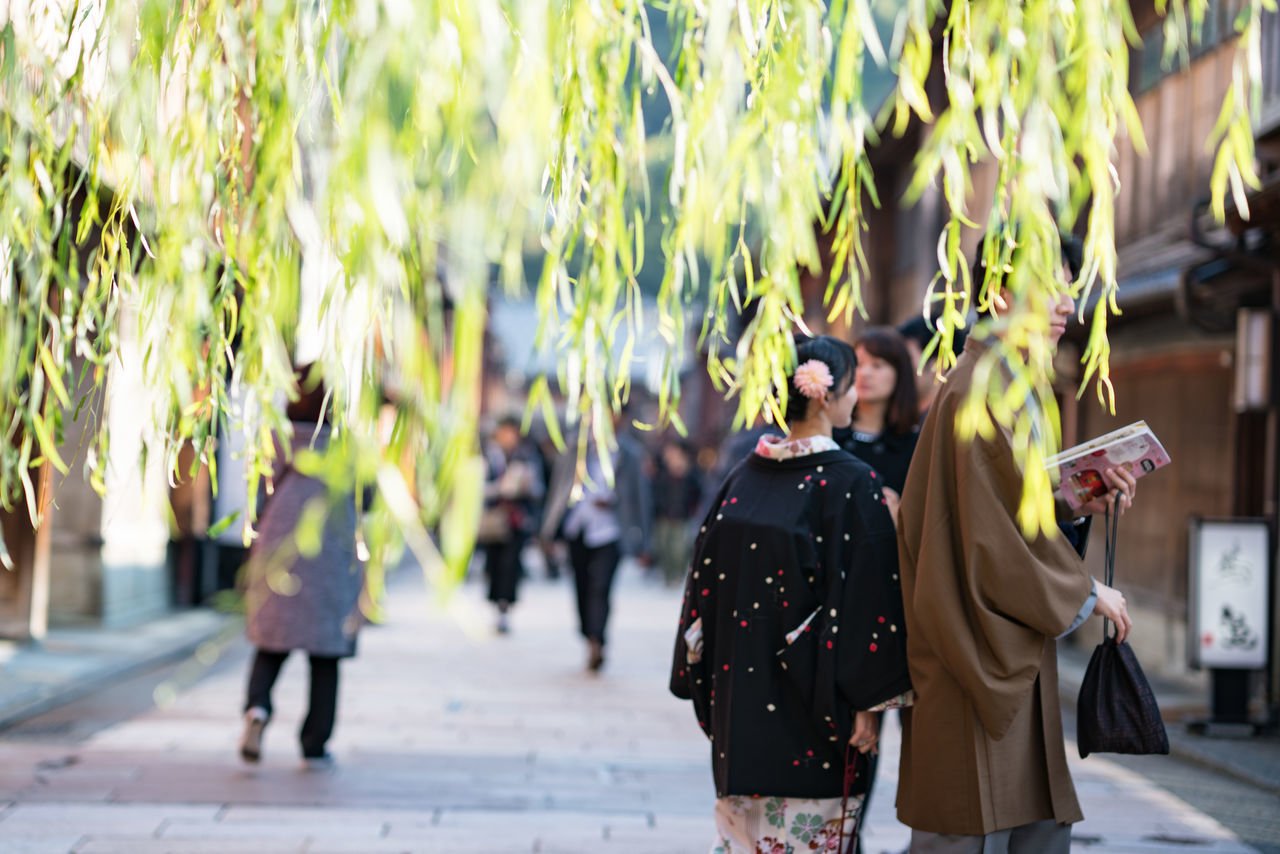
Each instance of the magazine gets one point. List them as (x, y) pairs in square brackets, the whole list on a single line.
[(1134, 449)]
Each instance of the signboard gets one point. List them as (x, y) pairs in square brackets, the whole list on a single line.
[(1229, 562)]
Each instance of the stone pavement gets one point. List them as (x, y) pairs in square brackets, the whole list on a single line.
[(454, 740), (71, 662), (1232, 750)]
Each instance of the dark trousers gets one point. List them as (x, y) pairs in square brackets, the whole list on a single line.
[(593, 571), (322, 707), (502, 565)]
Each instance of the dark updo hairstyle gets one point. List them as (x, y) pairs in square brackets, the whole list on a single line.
[(885, 342), (837, 355), (310, 405)]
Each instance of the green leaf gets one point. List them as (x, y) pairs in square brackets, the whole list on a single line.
[(222, 525)]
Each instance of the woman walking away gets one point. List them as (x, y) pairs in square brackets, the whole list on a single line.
[(791, 636), (604, 524), (296, 601), (885, 427)]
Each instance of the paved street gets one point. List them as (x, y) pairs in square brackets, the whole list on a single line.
[(450, 739)]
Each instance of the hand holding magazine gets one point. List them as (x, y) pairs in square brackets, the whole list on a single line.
[(1134, 449)]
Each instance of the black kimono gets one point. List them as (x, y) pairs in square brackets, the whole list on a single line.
[(794, 589)]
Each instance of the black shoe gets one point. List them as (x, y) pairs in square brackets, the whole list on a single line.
[(595, 655), (322, 762)]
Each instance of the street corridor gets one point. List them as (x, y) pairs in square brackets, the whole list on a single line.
[(452, 739)]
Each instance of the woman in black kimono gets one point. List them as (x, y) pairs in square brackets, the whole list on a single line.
[(791, 635)]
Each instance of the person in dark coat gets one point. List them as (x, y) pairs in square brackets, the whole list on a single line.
[(917, 333), (512, 491), (295, 601), (791, 635), (601, 526), (677, 492), (884, 429)]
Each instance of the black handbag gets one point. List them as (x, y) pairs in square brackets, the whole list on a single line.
[(1116, 711)]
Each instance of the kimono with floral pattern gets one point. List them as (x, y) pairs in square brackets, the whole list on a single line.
[(791, 622)]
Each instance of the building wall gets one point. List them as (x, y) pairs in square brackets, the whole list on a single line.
[(1178, 106), (75, 574)]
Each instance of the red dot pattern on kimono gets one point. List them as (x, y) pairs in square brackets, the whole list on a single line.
[(706, 591), (831, 645), (809, 753), (822, 483), (808, 477), (726, 667), (733, 501), (874, 647), (873, 475), (784, 603), (693, 613), (744, 624), (881, 619), (797, 762)]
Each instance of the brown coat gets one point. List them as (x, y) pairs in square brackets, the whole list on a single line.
[(982, 749)]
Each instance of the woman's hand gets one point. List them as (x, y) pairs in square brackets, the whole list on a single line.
[(866, 732), (1118, 498), (892, 500)]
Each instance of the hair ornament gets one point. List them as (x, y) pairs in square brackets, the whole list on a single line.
[(813, 378)]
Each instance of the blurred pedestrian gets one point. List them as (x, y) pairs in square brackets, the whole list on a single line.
[(553, 556), (298, 598), (791, 635), (601, 525), (513, 491), (917, 333), (677, 491)]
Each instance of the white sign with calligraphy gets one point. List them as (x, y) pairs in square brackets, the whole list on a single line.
[(1229, 563)]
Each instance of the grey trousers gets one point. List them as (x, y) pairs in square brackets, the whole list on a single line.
[(1041, 837)]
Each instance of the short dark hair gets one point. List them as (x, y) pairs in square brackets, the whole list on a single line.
[(1071, 247), (839, 358), (885, 342), (921, 331)]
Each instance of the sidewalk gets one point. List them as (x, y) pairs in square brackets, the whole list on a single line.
[(1252, 759), (452, 739), (72, 662)]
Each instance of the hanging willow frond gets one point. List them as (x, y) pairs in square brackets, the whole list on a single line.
[(244, 180)]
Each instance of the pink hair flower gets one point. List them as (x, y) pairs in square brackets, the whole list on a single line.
[(813, 378)]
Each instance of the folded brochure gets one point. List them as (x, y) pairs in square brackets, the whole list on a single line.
[(1133, 448)]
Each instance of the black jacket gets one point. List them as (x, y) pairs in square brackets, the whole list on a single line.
[(785, 542)]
